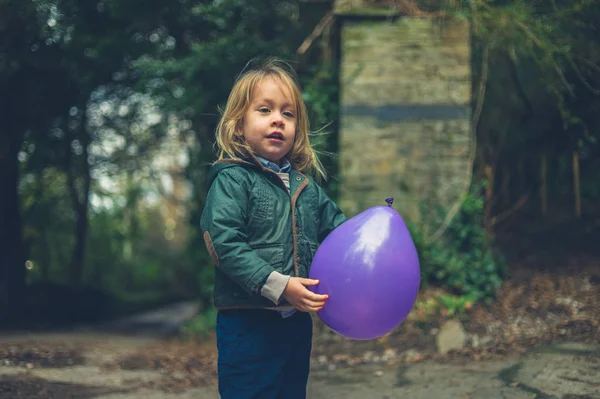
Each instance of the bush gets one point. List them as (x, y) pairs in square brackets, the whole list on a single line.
[(463, 261), (201, 325)]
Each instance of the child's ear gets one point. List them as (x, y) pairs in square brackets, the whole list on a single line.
[(239, 135), (239, 131)]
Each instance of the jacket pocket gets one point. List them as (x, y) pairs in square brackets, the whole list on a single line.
[(261, 204), (270, 253)]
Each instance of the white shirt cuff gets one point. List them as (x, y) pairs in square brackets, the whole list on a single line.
[(274, 287)]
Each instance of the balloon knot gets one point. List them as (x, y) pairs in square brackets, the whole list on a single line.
[(389, 201)]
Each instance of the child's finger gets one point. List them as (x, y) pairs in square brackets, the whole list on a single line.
[(317, 297), (308, 281), (311, 303), (308, 308)]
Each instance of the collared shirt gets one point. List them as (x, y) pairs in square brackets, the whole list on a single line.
[(286, 166), (283, 172)]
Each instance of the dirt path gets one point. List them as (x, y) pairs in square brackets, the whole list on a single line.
[(84, 367), (563, 371)]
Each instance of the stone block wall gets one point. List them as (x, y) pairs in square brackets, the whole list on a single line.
[(405, 113)]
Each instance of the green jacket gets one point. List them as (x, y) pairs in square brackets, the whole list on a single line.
[(253, 226)]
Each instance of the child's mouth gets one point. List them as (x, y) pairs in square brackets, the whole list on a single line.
[(275, 136)]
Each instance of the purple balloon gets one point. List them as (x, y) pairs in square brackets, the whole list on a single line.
[(369, 267)]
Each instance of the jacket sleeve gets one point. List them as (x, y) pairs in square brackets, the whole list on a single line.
[(223, 226), (330, 215)]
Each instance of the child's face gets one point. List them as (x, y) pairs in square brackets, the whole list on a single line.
[(269, 124)]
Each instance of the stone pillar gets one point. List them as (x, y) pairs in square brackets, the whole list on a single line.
[(405, 111)]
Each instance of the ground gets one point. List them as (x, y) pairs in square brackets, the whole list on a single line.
[(109, 366), (540, 339)]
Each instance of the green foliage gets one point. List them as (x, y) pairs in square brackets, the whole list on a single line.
[(148, 263), (553, 47), (48, 224), (201, 325), (455, 304), (128, 266), (320, 92), (463, 261), (203, 267)]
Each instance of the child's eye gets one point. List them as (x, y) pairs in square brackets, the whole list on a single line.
[(263, 110), (288, 114)]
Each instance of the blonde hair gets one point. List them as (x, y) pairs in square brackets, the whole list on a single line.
[(232, 144)]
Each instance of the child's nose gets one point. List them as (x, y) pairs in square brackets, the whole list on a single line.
[(277, 121)]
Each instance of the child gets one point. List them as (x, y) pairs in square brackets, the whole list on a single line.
[(263, 220)]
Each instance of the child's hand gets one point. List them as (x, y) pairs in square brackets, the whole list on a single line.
[(304, 300)]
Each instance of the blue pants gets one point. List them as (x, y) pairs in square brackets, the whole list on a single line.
[(262, 355)]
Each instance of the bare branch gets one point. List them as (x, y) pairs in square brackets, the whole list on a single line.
[(325, 21), (589, 63), (513, 70), (562, 77), (518, 205), (540, 44), (582, 78), (474, 123)]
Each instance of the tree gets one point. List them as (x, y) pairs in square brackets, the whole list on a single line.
[(56, 53), (29, 71)]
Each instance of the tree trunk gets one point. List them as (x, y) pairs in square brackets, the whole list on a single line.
[(544, 184), (576, 184), (489, 197), (506, 175), (45, 261), (12, 261), (45, 256), (522, 179), (78, 256), (80, 202)]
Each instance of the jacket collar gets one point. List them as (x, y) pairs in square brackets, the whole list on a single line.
[(297, 179)]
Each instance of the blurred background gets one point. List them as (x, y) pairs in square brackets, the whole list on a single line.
[(481, 117)]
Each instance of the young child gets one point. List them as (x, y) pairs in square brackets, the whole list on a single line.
[(263, 220)]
